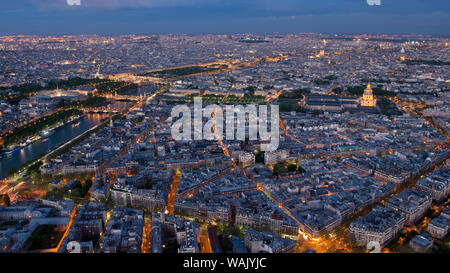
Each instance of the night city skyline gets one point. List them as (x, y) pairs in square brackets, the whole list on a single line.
[(241, 129), (56, 17)]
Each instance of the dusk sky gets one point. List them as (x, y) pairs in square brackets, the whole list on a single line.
[(56, 17)]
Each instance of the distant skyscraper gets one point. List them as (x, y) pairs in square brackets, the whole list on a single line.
[(368, 99)]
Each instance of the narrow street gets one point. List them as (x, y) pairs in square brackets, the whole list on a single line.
[(72, 218), (146, 235), (205, 245), (173, 192)]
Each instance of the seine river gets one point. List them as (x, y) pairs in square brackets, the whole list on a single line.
[(38, 148)]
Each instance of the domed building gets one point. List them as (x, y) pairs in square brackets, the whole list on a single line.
[(368, 99)]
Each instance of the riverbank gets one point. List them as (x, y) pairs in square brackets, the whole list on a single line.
[(69, 144), (33, 128), (15, 162)]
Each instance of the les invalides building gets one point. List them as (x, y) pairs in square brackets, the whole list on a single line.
[(368, 100)]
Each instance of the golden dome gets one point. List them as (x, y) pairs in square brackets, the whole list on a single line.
[(368, 98), (368, 90)]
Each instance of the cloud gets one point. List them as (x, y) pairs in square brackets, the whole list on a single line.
[(261, 7), (74, 2), (113, 4)]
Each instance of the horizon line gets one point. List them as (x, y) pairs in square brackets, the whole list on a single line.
[(231, 33)]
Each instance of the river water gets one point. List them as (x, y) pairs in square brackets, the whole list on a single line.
[(61, 135), (41, 147)]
